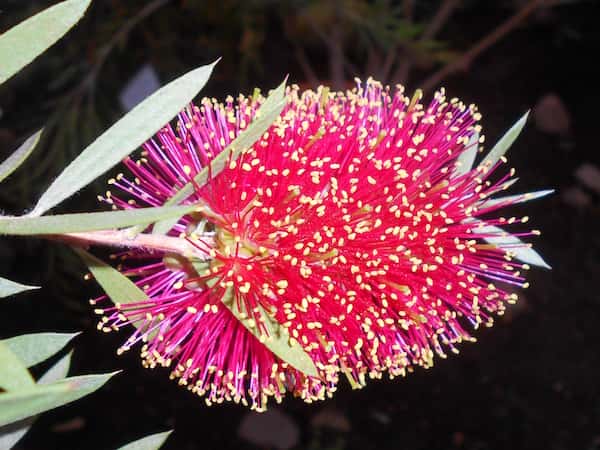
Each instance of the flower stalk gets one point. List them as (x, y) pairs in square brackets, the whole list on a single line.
[(152, 243)]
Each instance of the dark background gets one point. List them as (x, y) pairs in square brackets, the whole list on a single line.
[(531, 382)]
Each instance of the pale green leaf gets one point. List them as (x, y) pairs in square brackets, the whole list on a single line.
[(72, 223), (123, 137), (12, 433), (18, 405), (514, 199), (13, 373), (265, 116), (277, 340), (23, 43), (8, 287), (34, 348), (504, 143), (467, 157), (117, 286), (58, 371), (11, 163), (519, 249), (152, 442)]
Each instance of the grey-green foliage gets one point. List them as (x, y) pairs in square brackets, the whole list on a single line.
[(505, 142), (95, 221), (11, 434), (11, 163), (8, 287), (497, 236), (35, 348), (117, 286), (23, 398), (265, 116), (152, 442), (131, 131), (20, 404), (23, 43)]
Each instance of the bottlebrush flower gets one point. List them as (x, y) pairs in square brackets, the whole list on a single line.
[(355, 222)]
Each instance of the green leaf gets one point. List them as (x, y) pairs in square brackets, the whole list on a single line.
[(152, 442), (123, 137), (519, 249), (467, 157), (12, 433), (34, 348), (11, 163), (13, 374), (23, 43), (265, 116), (278, 339), (58, 371), (504, 143), (8, 287), (117, 286), (517, 198), (18, 405), (72, 223)]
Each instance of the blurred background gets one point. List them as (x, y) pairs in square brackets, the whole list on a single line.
[(531, 382)]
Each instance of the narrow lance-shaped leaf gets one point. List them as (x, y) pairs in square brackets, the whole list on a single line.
[(117, 286), (517, 198), (265, 116), (18, 405), (467, 157), (152, 442), (8, 287), (58, 371), (123, 137), (12, 433), (72, 223), (23, 43), (278, 339), (11, 163), (34, 348), (520, 250), (504, 143), (13, 373)]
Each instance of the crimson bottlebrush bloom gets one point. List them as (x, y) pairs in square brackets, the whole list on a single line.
[(353, 223)]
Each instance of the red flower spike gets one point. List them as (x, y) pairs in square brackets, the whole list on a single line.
[(348, 223)]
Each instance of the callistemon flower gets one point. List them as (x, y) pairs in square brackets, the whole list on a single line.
[(355, 225)]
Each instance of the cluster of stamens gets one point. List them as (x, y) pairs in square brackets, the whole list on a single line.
[(349, 224)]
